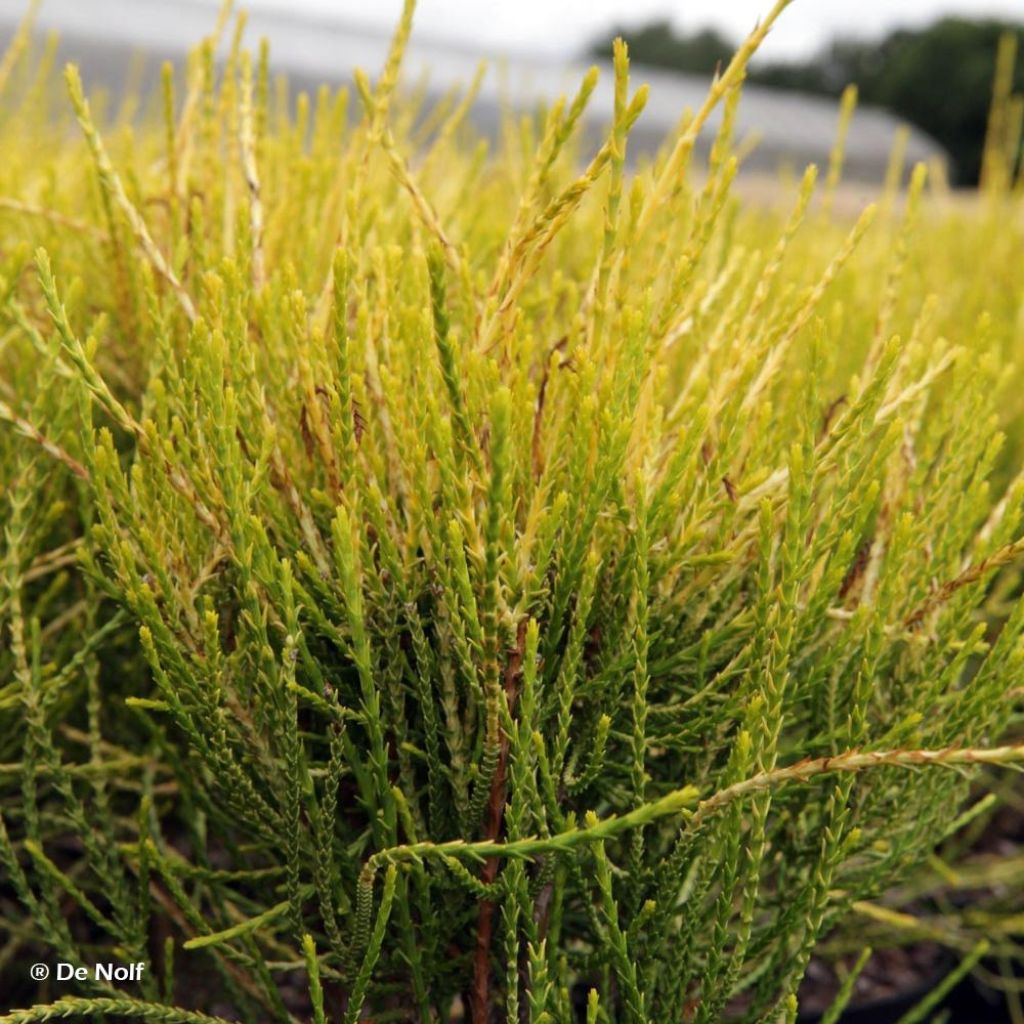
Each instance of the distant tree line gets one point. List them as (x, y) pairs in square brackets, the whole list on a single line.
[(938, 78)]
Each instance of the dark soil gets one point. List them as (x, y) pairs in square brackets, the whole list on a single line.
[(894, 980), (891, 982)]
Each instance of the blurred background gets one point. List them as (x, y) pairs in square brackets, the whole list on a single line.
[(926, 63)]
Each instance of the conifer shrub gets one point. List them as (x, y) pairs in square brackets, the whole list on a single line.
[(443, 582)]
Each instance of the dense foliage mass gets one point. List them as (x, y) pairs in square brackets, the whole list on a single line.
[(899, 71), (439, 578)]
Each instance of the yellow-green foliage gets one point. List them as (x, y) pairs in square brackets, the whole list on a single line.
[(482, 574)]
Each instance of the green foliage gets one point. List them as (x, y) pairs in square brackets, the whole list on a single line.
[(659, 44), (466, 579), (938, 78)]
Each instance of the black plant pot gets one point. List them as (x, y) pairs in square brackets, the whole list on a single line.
[(974, 1002), (968, 1003), (877, 1011), (880, 1011)]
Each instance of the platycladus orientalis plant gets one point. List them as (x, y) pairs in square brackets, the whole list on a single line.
[(453, 578)]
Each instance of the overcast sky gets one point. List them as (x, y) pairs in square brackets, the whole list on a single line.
[(566, 25)]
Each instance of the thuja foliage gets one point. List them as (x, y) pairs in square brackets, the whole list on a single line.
[(445, 579)]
